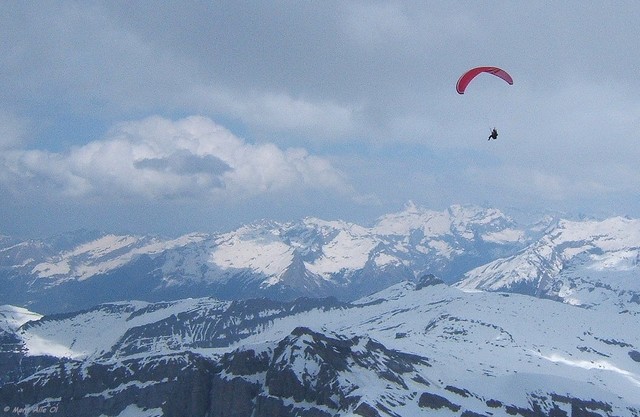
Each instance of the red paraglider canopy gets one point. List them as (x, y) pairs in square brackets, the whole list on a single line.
[(466, 78)]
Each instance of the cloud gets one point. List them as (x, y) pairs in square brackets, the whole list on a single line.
[(280, 112), (157, 158), (184, 163)]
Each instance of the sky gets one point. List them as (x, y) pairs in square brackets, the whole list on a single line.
[(173, 117)]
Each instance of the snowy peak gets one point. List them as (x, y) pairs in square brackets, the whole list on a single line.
[(456, 219), (330, 253), (11, 318), (294, 254), (612, 235), (260, 250), (574, 257), (451, 232)]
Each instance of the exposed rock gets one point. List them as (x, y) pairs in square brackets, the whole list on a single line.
[(436, 402), (428, 281), (365, 410)]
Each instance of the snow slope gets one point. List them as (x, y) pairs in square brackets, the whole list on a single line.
[(105, 254), (582, 263), (11, 317)]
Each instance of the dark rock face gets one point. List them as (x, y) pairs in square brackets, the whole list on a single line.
[(299, 376), (365, 410), (179, 385), (305, 368), (232, 397), (436, 402), (428, 281)]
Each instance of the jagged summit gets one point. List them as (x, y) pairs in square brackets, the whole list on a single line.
[(428, 280), (455, 218)]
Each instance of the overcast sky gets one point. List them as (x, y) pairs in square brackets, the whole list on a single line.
[(172, 117)]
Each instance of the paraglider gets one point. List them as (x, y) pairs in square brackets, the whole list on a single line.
[(466, 78), (494, 134)]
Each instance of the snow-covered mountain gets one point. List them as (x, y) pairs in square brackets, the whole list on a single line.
[(311, 257), (584, 263), (410, 350), (496, 343)]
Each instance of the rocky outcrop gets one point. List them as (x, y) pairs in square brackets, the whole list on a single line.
[(428, 281), (179, 385), (305, 374)]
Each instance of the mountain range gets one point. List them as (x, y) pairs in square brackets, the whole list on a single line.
[(308, 258), (461, 312)]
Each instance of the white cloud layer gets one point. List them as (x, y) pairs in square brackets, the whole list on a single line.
[(157, 158)]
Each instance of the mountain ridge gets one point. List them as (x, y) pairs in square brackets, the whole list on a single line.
[(409, 350), (469, 246), (579, 263), (311, 257)]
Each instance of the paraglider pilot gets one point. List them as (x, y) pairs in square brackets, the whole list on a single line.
[(494, 134)]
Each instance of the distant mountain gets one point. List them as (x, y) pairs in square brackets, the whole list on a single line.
[(411, 350), (584, 263), (282, 261)]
